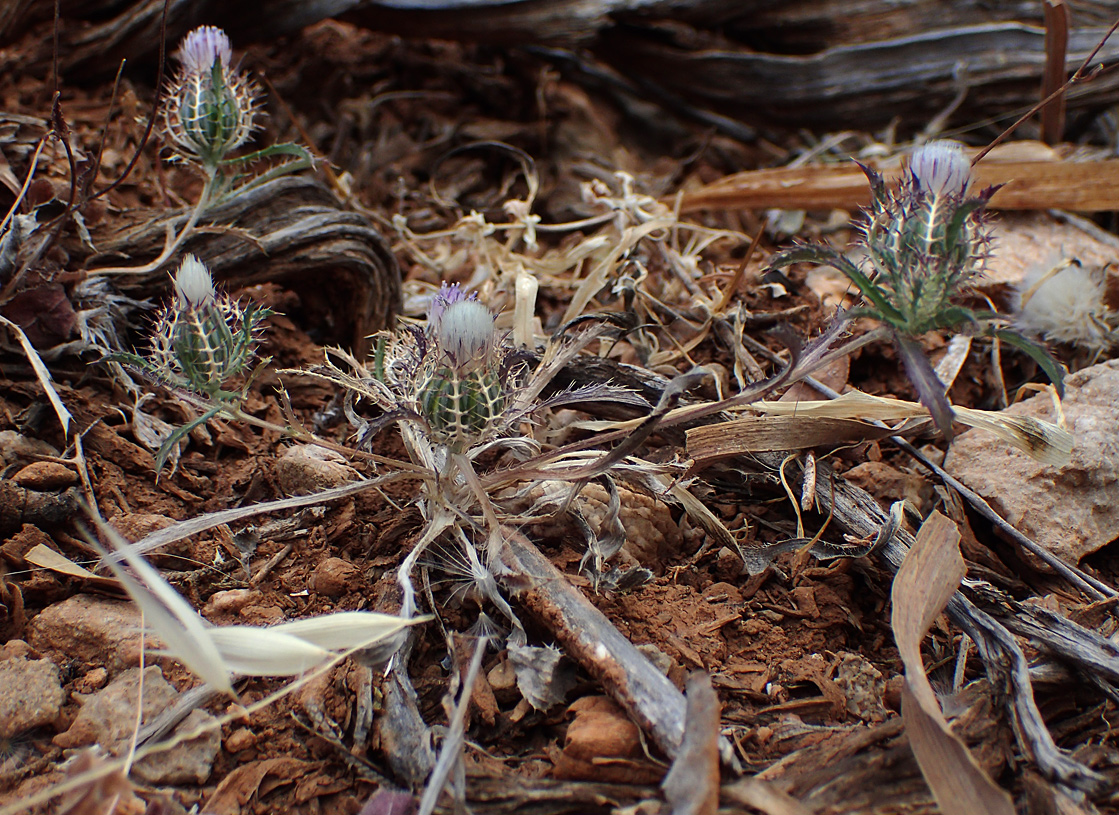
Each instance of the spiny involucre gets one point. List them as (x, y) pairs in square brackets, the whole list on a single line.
[(209, 107), (203, 337), (460, 393), (925, 240)]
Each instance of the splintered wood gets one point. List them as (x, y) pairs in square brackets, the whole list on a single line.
[(1091, 186)]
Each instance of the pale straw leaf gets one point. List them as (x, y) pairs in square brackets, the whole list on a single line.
[(170, 616), (346, 630), (257, 651), (1043, 441)]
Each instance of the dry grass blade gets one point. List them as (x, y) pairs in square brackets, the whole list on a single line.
[(42, 374), (450, 756), (928, 578), (709, 443), (346, 630), (167, 612), (253, 651)]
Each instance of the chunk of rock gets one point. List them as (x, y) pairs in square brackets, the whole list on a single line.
[(1072, 509), (45, 476), (108, 717), (30, 695), (95, 630), (307, 468), (864, 687), (15, 447)]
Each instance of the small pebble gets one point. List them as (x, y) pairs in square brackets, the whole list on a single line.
[(334, 577), (240, 739), (45, 476), (232, 601)]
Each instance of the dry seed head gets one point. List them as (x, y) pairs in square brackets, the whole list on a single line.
[(1066, 303)]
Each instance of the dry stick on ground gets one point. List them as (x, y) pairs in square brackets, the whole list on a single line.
[(857, 511), (593, 641)]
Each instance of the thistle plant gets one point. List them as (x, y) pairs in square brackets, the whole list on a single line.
[(200, 341), (209, 110), (209, 107), (924, 243)]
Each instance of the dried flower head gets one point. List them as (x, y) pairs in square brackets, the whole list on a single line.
[(209, 107), (1066, 303)]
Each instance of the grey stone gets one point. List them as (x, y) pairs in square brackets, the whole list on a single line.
[(1072, 509), (30, 695)]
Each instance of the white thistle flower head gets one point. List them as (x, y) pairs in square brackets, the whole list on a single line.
[(204, 46), (941, 168), (194, 287), (465, 334)]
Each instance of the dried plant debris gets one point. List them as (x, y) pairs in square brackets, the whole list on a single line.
[(461, 450)]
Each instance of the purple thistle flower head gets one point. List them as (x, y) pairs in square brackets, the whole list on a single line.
[(204, 46), (447, 295)]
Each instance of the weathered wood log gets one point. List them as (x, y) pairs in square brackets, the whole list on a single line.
[(852, 63), (291, 231), (1091, 186)]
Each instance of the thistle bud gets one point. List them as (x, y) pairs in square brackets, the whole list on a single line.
[(208, 109), (462, 395), (194, 288), (203, 337), (940, 168)]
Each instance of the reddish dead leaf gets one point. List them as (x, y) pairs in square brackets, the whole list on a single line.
[(239, 787), (44, 313), (109, 793), (926, 581), (603, 745)]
